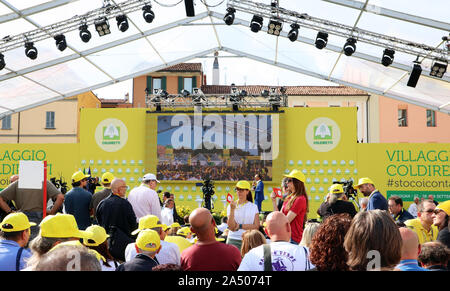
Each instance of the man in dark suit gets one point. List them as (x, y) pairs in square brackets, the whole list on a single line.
[(258, 187), (376, 199)]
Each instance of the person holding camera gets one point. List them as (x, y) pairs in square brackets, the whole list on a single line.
[(336, 203), (242, 214)]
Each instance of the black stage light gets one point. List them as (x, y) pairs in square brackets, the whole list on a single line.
[(265, 93), (388, 57), (256, 23), (2, 61), (185, 93), (321, 40), (274, 27), (122, 23), (31, 51), (229, 17), (350, 47), (85, 35), (61, 43), (414, 76), (148, 14), (438, 68), (293, 34), (189, 4), (102, 26)]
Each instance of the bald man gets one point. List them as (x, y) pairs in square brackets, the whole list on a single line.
[(116, 211), (284, 255), (208, 254), (410, 251)]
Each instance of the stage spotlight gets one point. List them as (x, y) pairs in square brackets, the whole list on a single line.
[(61, 43), (122, 23), (388, 57), (350, 46), (102, 26), (189, 5), (85, 35), (321, 40), (438, 68), (229, 17), (2, 62), (293, 34), (256, 23), (148, 14), (243, 93), (31, 51), (265, 93), (414, 76), (274, 27)]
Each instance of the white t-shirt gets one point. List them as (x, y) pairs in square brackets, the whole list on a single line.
[(169, 253), (285, 257), (144, 201), (243, 214), (167, 216)]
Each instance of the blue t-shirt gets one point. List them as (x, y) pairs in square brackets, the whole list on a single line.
[(409, 265), (76, 202), (8, 256)]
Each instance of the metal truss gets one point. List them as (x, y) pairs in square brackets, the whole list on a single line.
[(303, 19), (89, 18)]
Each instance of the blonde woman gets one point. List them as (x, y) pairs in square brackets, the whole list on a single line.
[(242, 214), (308, 233), (295, 206)]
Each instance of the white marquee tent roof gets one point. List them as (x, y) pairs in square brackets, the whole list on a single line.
[(173, 38)]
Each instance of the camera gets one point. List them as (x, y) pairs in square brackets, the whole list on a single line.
[(208, 191), (349, 191), (60, 184)]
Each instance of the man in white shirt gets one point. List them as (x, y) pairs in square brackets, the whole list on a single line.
[(167, 212), (413, 207), (285, 256), (144, 198)]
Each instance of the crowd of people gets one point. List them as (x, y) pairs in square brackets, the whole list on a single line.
[(167, 171), (110, 231)]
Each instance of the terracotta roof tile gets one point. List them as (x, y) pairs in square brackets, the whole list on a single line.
[(184, 67), (290, 90)]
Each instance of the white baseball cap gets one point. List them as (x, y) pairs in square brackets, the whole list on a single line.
[(149, 176)]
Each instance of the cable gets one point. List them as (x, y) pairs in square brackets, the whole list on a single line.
[(212, 6), (167, 5)]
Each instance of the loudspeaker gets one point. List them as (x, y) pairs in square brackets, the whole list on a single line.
[(189, 8), (415, 74)]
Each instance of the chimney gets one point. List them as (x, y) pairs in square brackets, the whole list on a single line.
[(216, 73)]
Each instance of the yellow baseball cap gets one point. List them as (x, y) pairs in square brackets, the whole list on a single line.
[(78, 176), (107, 178), (243, 185), (99, 235), (63, 226), (17, 221), (297, 174), (148, 240), (147, 222), (164, 227), (336, 189), (175, 224), (363, 181), (444, 206), (184, 231)]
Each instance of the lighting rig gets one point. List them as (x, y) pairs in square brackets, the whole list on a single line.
[(260, 11)]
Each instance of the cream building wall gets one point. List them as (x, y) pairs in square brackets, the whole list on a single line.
[(30, 126)]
